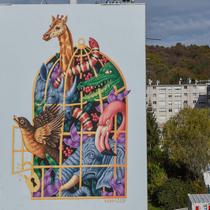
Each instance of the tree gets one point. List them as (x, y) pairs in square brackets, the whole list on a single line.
[(156, 178), (167, 64), (186, 139), (174, 192), (153, 132), (156, 174)]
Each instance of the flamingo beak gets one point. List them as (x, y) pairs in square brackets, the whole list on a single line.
[(102, 140)]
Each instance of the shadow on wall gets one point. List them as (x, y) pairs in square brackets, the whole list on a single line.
[(202, 102)]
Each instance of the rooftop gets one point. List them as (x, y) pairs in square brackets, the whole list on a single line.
[(199, 198)]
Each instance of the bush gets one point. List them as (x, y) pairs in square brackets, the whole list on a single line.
[(174, 193), (156, 178)]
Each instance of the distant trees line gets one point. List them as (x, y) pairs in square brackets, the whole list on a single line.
[(169, 64)]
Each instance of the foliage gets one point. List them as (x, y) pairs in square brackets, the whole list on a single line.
[(168, 64), (151, 207), (186, 139), (176, 160), (156, 174), (153, 133), (156, 178), (178, 155), (173, 193)]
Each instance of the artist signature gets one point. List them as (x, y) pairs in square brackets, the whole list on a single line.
[(118, 200)]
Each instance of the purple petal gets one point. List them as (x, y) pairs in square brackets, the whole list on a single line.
[(107, 193), (120, 96), (85, 138), (98, 108), (121, 139), (37, 194), (67, 141), (74, 140), (47, 177), (105, 105), (74, 134), (120, 190), (111, 96), (51, 190), (112, 183), (56, 72), (75, 144), (73, 130), (71, 142), (126, 92)]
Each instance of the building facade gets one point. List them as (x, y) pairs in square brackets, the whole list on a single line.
[(168, 100)]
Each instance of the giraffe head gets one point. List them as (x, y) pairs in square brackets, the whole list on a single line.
[(57, 27)]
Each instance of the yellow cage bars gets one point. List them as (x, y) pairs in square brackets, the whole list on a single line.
[(32, 167)]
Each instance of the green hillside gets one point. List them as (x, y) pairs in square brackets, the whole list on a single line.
[(168, 64)]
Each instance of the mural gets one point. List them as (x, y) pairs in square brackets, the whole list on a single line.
[(78, 138)]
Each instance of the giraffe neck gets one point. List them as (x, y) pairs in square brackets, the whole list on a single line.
[(66, 49)]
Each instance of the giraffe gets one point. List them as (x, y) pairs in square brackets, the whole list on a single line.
[(59, 29)]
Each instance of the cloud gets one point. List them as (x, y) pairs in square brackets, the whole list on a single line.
[(56, 1), (186, 21), (34, 1)]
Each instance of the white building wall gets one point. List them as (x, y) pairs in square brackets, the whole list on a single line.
[(167, 100)]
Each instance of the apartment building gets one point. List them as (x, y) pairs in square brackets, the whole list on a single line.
[(167, 100)]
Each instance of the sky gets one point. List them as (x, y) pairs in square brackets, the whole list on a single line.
[(185, 21)]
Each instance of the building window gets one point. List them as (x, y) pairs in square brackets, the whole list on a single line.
[(177, 88), (162, 103), (178, 95), (185, 102), (177, 103), (185, 87), (170, 110), (154, 95), (154, 102), (162, 95), (162, 110), (176, 110), (154, 87), (194, 94), (170, 96), (170, 103), (185, 94), (194, 101)]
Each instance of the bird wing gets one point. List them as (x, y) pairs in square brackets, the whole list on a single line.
[(46, 116), (48, 127)]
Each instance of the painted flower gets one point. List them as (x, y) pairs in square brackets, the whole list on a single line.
[(50, 189), (74, 140)]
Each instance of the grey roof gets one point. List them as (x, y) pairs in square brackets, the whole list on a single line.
[(199, 198), (182, 209)]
